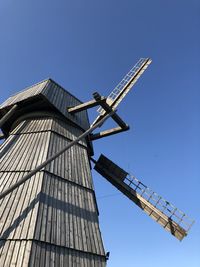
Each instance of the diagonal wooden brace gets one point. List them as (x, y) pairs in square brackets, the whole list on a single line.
[(101, 100), (42, 165), (108, 109)]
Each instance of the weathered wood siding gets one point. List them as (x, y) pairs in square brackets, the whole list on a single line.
[(54, 95), (52, 219), (24, 94), (35, 253)]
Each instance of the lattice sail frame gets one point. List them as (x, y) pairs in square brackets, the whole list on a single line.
[(164, 206), (163, 212), (125, 85)]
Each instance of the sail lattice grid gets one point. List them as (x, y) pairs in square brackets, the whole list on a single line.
[(160, 203), (163, 212), (125, 85)]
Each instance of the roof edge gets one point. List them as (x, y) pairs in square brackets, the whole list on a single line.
[(50, 79)]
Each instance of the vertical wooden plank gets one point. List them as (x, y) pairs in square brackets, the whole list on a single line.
[(55, 209)]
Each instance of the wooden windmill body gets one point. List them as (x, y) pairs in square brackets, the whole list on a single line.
[(52, 219), (48, 209)]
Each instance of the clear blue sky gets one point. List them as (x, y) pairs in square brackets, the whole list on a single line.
[(87, 46)]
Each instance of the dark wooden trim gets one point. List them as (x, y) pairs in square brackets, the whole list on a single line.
[(2, 136), (8, 115)]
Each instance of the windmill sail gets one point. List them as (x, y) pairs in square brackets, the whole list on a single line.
[(167, 215), (125, 85)]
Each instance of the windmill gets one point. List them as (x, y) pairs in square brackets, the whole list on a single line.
[(162, 211), (49, 214)]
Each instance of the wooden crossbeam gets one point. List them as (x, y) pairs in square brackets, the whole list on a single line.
[(107, 133), (87, 105)]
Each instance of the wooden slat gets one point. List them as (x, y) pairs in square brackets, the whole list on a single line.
[(56, 206), (106, 171), (62, 99), (54, 96), (24, 94)]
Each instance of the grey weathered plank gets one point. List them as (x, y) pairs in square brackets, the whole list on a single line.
[(56, 206)]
